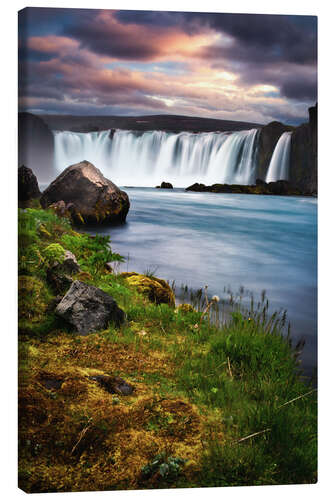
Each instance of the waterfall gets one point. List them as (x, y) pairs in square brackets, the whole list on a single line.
[(279, 165), (145, 159)]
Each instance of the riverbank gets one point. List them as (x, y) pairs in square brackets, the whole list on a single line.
[(211, 406)]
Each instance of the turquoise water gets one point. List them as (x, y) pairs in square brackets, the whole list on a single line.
[(229, 240)]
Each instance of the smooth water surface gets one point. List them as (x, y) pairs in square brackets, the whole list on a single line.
[(229, 240)]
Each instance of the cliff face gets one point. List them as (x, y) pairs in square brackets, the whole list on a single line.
[(303, 155), (303, 159), (268, 138), (35, 146)]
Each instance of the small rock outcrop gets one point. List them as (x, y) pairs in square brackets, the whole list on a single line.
[(59, 274), (93, 199), (113, 385), (89, 309), (282, 188), (165, 185), (61, 209), (155, 289), (27, 186)]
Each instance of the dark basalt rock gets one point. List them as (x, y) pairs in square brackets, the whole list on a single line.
[(282, 188), (93, 199), (197, 187), (303, 155), (89, 309), (268, 138), (35, 145), (114, 385), (27, 186), (166, 185), (59, 274), (58, 281)]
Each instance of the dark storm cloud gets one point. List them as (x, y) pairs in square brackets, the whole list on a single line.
[(104, 37), (257, 36), (99, 61)]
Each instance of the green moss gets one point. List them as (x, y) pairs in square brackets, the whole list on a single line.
[(155, 289), (54, 253)]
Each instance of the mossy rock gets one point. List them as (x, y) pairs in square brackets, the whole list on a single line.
[(185, 308), (155, 289), (33, 300)]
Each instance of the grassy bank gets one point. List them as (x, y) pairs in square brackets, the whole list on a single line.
[(213, 405)]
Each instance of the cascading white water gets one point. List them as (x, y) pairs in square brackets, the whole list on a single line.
[(279, 165), (146, 159)]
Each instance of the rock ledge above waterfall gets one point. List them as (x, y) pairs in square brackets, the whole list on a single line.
[(93, 198)]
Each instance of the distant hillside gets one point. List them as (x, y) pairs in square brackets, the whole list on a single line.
[(171, 123)]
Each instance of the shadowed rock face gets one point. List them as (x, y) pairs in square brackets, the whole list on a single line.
[(27, 185), (303, 155), (93, 198), (35, 145), (268, 138)]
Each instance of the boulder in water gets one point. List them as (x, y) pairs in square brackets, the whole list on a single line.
[(27, 186), (88, 308), (165, 185), (93, 199)]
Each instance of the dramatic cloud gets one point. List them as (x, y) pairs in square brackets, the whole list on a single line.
[(243, 67)]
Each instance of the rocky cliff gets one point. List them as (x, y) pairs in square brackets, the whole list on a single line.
[(268, 138), (35, 146), (303, 156), (303, 159)]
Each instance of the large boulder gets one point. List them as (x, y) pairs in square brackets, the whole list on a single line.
[(155, 289), (27, 186), (89, 309), (93, 198)]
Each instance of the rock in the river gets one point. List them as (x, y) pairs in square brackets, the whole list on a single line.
[(155, 289), (27, 185), (88, 308), (93, 199), (114, 385), (166, 185)]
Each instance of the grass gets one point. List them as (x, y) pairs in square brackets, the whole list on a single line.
[(218, 399)]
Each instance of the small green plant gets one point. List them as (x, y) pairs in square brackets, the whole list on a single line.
[(168, 468), (150, 272)]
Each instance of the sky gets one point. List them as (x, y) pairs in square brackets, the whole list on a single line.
[(247, 67)]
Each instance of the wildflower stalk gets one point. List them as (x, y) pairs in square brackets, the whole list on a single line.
[(214, 299)]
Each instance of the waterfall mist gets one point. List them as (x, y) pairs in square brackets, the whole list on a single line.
[(145, 159), (279, 165)]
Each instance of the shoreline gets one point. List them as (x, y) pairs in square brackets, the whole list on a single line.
[(158, 339)]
